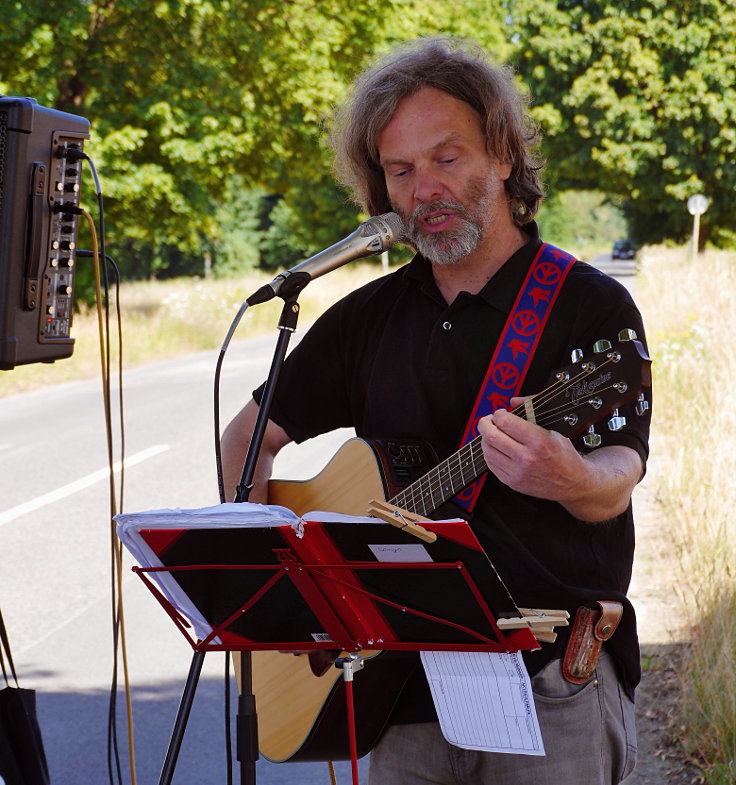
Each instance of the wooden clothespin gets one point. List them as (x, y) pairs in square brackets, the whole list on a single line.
[(541, 621), (402, 519)]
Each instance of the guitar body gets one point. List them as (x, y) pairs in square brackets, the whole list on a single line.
[(301, 716), (346, 484)]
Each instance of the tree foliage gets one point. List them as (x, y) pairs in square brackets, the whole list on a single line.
[(582, 221), (637, 98), (208, 116), (186, 98)]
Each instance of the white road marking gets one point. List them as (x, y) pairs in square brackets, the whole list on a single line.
[(78, 485)]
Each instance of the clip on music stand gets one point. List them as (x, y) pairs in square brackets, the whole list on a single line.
[(320, 586)]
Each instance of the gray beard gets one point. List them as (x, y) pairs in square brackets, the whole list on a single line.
[(446, 248)]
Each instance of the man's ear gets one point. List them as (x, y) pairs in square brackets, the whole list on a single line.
[(504, 169)]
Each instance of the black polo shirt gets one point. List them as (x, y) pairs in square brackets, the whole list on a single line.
[(392, 359)]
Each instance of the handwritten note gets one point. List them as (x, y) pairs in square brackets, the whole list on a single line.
[(406, 552)]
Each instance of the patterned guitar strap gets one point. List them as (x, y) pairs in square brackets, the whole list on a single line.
[(515, 349)]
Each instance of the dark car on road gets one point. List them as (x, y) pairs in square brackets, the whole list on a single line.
[(623, 249)]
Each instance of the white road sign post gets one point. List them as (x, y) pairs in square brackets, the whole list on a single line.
[(696, 206)]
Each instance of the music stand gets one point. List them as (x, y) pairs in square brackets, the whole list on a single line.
[(315, 585)]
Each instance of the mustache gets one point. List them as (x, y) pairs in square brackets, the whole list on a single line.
[(425, 209)]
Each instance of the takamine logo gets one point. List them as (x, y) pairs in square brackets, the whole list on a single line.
[(587, 387)]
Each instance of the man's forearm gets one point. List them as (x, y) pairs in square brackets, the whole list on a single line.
[(234, 448), (605, 487)]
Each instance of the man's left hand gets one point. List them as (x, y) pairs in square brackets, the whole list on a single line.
[(545, 464)]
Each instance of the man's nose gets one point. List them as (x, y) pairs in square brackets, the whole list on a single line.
[(427, 186)]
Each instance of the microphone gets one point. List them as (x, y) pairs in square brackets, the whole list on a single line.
[(371, 237)]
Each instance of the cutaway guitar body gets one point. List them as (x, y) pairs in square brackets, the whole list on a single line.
[(350, 479)]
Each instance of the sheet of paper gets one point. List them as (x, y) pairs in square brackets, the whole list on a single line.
[(484, 701)]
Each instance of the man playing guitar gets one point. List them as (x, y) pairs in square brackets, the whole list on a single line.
[(440, 135)]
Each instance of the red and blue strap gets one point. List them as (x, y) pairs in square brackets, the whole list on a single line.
[(515, 349)]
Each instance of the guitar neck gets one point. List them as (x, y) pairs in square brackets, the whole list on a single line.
[(443, 482), (575, 397)]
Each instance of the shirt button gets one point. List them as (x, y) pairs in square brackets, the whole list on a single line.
[(447, 325)]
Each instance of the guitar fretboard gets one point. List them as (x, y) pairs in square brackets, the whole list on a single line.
[(448, 478)]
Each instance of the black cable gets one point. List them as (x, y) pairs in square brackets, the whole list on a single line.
[(221, 488), (216, 395), (113, 747), (85, 253)]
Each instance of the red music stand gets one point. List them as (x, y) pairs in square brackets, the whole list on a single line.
[(326, 585)]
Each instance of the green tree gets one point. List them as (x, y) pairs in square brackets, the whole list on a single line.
[(636, 98), (185, 95), (182, 94), (582, 221)]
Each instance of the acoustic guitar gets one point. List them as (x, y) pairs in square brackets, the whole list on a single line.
[(301, 702)]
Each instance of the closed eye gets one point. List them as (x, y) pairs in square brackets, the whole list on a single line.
[(398, 172)]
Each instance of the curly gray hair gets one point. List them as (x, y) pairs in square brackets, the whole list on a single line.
[(462, 70)]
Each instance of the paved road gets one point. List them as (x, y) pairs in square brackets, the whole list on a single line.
[(623, 269), (55, 566)]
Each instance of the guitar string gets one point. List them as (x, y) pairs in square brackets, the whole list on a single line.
[(448, 480), (443, 482), (425, 487), (434, 480)]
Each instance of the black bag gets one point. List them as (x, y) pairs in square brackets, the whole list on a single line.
[(22, 758)]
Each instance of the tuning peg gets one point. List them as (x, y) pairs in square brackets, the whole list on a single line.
[(642, 405), (576, 355), (617, 422), (627, 335), (591, 438), (601, 346)]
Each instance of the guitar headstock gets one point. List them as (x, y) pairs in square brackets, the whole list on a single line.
[(593, 386)]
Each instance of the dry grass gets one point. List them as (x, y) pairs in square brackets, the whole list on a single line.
[(163, 319), (691, 316)]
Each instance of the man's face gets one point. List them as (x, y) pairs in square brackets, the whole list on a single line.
[(439, 176)]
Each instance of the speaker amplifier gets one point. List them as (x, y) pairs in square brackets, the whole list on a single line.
[(40, 174)]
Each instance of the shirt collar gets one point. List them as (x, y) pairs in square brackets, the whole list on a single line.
[(501, 291)]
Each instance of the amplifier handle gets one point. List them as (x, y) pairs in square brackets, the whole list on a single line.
[(33, 241)]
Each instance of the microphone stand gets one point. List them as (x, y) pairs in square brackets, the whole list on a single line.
[(247, 720)]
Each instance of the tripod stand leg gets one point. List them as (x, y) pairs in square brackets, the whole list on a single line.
[(247, 722), (182, 716)]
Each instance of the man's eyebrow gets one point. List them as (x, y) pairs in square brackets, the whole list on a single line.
[(455, 136)]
